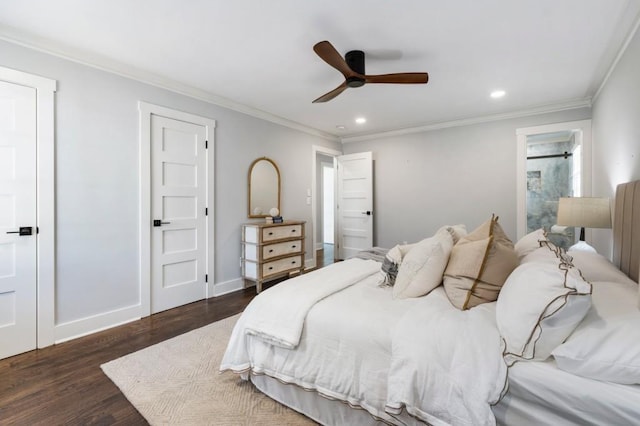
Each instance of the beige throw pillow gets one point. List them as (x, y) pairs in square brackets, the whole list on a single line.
[(479, 265)]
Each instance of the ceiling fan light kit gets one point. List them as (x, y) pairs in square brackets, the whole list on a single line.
[(352, 68), (355, 61)]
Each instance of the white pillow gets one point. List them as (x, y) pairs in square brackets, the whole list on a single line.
[(529, 242), (538, 307), (422, 267), (595, 267), (606, 344), (610, 353), (547, 253)]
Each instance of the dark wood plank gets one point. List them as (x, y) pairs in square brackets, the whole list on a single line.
[(64, 384)]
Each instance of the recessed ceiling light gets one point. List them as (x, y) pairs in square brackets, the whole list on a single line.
[(361, 120), (341, 127), (498, 94)]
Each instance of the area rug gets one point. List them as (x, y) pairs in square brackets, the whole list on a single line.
[(177, 382)]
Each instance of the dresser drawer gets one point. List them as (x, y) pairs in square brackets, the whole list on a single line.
[(277, 266), (280, 232), (280, 249)]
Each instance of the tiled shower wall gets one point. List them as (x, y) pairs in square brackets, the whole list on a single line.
[(548, 179)]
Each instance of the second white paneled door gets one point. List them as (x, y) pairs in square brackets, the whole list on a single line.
[(178, 210), (355, 203)]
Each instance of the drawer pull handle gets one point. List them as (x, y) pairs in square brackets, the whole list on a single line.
[(270, 233), (271, 251), (293, 230), (270, 267), (293, 246), (293, 263)]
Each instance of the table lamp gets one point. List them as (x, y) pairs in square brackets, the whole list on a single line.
[(584, 212)]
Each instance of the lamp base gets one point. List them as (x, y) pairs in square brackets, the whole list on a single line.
[(582, 246)]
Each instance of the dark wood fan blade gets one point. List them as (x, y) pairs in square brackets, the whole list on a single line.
[(332, 94), (330, 55), (400, 78)]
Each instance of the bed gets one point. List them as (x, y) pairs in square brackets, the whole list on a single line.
[(341, 348)]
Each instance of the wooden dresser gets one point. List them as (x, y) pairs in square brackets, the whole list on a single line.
[(272, 250)]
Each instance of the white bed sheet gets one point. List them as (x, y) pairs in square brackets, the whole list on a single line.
[(541, 394)]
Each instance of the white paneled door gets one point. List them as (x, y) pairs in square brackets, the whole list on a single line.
[(355, 203), (17, 219), (178, 209)]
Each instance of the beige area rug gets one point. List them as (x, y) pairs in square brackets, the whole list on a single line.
[(177, 382)]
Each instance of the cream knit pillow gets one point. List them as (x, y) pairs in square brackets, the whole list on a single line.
[(422, 267)]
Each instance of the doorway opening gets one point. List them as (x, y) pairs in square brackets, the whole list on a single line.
[(554, 161), (553, 171), (328, 210), (323, 206)]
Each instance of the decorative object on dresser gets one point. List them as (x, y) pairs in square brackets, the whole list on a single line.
[(272, 250)]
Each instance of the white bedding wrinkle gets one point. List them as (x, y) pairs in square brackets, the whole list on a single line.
[(277, 314), (344, 351), (446, 365)]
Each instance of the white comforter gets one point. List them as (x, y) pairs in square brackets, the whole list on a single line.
[(446, 365), (360, 346)]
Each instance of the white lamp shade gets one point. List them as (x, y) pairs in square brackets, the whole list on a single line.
[(586, 212)]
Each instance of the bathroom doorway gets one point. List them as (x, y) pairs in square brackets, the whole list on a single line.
[(553, 161)]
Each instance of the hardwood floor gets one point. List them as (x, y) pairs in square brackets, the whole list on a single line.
[(64, 385)]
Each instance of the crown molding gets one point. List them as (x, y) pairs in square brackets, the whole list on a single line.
[(543, 109), (621, 53), (114, 67), (102, 63)]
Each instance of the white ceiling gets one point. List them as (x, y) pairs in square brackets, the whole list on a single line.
[(256, 56)]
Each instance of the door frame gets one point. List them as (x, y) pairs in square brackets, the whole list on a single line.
[(315, 150), (146, 110), (45, 199), (582, 129)]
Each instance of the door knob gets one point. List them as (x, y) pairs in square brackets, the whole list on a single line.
[(158, 222), (24, 230), (368, 212)]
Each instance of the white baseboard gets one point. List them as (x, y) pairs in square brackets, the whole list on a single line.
[(227, 287), (85, 326)]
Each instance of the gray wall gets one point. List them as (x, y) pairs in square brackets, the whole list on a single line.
[(448, 176), (423, 180), (616, 133), (97, 167)]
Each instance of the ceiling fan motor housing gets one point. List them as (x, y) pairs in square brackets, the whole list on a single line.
[(355, 60)]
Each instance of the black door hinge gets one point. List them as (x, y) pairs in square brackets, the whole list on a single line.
[(206, 211), (206, 144), (206, 278)]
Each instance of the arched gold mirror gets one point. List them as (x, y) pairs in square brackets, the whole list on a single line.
[(264, 187)]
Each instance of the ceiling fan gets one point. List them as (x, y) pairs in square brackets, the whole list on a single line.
[(352, 67)]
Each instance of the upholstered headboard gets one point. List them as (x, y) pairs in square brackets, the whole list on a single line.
[(626, 229)]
